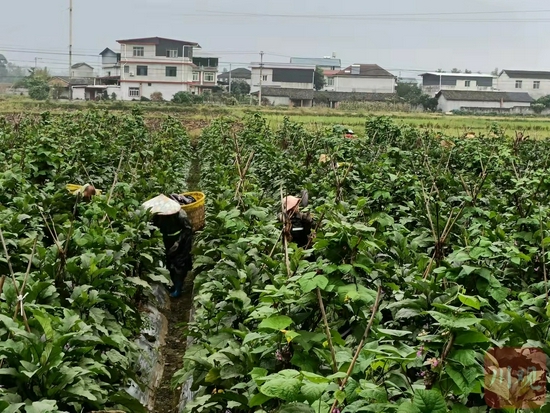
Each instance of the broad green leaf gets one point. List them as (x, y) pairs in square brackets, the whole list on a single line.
[(460, 408), (258, 399), (286, 389), (394, 333), (453, 322), (469, 337), (313, 391), (465, 357), (470, 301), (296, 408), (407, 407), (277, 322), (258, 373), (429, 401)]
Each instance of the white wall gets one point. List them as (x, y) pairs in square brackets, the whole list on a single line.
[(168, 90), (363, 84), (79, 93), (255, 79), (157, 72), (83, 71), (114, 70), (449, 105), (506, 84), (277, 101)]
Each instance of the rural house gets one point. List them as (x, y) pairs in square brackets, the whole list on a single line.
[(433, 82), (62, 86), (240, 73), (277, 96), (362, 78), (308, 97), (283, 75), (110, 63), (536, 83), (156, 64), (82, 70), (204, 74), (484, 101)]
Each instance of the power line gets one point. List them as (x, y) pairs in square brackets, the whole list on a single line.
[(332, 16)]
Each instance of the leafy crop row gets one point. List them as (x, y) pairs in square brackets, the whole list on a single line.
[(91, 264), (429, 253)]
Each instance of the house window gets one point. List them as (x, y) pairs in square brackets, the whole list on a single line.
[(139, 51), (126, 69), (208, 77), (141, 70), (519, 84), (264, 78), (195, 76), (171, 71), (133, 92), (149, 84), (467, 83), (536, 84), (330, 81), (171, 53)]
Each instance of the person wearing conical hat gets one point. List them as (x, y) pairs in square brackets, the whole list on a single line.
[(300, 225), (177, 235)]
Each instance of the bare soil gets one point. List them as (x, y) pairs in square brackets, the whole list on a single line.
[(167, 397)]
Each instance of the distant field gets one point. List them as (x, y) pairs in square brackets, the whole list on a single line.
[(315, 118)]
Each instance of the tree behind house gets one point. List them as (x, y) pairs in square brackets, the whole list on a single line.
[(319, 79)]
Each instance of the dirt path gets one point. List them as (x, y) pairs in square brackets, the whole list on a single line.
[(167, 399)]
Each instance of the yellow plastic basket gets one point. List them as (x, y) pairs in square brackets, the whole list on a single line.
[(196, 211), (72, 188)]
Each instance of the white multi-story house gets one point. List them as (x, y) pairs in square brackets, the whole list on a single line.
[(536, 83), (155, 64), (282, 75), (110, 63), (433, 82), (80, 70), (361, 78)]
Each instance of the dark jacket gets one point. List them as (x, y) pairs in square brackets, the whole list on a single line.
[(177, 234), (301, 226)]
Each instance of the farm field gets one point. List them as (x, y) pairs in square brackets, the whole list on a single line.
[(312, 118), (430, 250)]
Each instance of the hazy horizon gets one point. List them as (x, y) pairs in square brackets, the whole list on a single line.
[(398, 35)]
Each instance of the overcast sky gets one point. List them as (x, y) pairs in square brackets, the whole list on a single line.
[(406, 35)]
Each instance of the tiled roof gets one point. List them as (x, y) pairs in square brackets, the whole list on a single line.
[(486, 96), (526, 74), (239, 73), (156, 40), (359, 96), (366, 70), (77, 65), (75, 80), (308, 94), (287, 93)]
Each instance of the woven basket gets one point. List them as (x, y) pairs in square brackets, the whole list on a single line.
[(195, 211)]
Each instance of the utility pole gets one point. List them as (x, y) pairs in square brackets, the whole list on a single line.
[(70, 39), (229, 77), (261, 75)]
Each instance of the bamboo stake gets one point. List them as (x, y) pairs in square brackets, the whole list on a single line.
[(361, 344)]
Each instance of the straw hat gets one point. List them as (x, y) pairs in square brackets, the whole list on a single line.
[(290, 202), (162, 205)]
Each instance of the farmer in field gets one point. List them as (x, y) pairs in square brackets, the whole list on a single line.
[(299, 225), (177, 234)]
